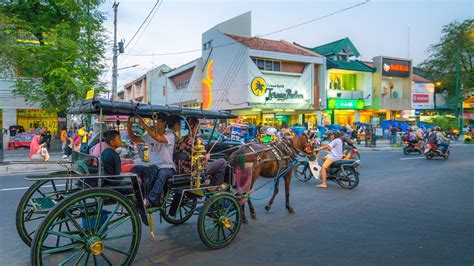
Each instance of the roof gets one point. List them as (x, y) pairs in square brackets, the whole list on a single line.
[(272, 45), (355, 65), (335, 47), (420, 79)]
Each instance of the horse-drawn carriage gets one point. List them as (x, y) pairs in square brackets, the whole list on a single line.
[(82, 216)]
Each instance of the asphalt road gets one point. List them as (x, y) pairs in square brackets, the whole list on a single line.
[(406, 210)]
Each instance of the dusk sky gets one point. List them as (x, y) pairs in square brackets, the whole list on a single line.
[(379, 27)]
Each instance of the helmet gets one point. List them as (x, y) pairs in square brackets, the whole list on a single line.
[(344, 129), (336, 134)]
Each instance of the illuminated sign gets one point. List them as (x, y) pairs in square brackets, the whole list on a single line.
[(395, 68), (334, 103), (259, 86)]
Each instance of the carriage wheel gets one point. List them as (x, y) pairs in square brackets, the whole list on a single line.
[(184, 211), (349, 180), (113, 240), (219, 221), (35, 204)]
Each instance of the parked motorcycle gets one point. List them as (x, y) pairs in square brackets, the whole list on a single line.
[(343, 172), (432, 150), (409, 147)]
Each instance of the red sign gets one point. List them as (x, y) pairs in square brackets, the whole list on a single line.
[(421, 98)]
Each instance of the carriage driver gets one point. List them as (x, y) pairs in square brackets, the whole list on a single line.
[(215, 169), (335, 154), (161, 144)]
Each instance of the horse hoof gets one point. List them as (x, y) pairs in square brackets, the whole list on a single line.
[(268, 207), (253, 215), (290, 210), (245, 221)]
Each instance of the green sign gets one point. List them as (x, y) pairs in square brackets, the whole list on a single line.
[(334, 103)]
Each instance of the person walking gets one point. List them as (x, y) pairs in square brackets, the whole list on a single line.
[(63, 138)]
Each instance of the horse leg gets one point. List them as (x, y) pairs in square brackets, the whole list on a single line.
[(275, 192), (253, 214), (287, 192), (244, 217)]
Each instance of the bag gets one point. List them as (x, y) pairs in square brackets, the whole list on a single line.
[(77, 139)]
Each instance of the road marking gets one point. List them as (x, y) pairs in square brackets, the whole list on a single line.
[(22, 188), (412, 158)]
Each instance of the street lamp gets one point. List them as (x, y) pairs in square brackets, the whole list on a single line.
[(438, 83)]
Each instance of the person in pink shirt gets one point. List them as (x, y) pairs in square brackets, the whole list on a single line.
[(37, 150)]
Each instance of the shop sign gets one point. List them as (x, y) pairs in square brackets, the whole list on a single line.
[(467, 105), (422, 100), (273, 92), (334, 103), (395, 68), (90, 94)]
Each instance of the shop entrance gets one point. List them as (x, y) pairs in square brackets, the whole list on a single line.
[(343, 117)]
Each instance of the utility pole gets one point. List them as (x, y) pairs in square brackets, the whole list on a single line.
[(114, 67)]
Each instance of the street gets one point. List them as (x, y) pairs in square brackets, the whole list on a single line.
[(404, 211)]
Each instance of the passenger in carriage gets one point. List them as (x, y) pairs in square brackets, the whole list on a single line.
[(161, 143), (215, 170), (110, 158)]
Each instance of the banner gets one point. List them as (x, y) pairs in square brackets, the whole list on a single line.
[(422, 100)]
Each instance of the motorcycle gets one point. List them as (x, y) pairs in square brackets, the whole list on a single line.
[(355, 153), (432, 150), (409, 147), (344, 172)]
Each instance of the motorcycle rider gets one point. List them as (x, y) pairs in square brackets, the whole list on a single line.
[(412, 138), (335, 154), (348, 144), (442, 141)]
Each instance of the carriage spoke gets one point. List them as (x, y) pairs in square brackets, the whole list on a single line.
[(32, 232), (74, 222), (87, 258), (116, 224), (86, 214), (104, 225), (223, 233), (36, 218), (213, 230), (63, 248), (116, 250), (80, 257), (42, 194), (94, 259), (70, 258), (106, 259), (57, 240), (100, 206), (110, 238), (63, 234)]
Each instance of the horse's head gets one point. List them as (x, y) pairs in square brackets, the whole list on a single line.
[(299, 144)]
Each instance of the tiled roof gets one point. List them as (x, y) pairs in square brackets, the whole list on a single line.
[(272, 45), (335, 47), (355, 65), (420, 79)]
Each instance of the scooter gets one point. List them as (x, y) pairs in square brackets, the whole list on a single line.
[(343, 172), (409, 147), (432, 150)]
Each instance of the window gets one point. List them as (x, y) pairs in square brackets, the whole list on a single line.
[(339, 81), (207, 45), (268, 65), (183, 84)]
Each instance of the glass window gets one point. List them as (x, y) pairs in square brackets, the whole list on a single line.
[(276, 66), (268, 65), (260, 64)]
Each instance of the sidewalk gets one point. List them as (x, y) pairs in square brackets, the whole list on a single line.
[(17, 161)]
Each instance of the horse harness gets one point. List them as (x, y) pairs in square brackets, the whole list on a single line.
[(283, 154)]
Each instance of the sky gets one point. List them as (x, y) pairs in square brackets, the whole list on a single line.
[(403, 28)]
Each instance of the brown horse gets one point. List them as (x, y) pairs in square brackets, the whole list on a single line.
[(267, 159)]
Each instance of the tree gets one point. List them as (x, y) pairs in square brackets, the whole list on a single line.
[(53, 48), (457, 43)]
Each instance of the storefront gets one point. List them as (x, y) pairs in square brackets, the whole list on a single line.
[(344, 111), (392, 86)]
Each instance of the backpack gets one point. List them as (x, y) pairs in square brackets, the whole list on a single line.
[(432, 138)]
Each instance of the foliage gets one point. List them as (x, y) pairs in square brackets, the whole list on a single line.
[(456, 43), (443, 122), (53, 49)]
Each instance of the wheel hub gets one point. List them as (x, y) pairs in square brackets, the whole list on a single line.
[(225, 221), (96, 245)]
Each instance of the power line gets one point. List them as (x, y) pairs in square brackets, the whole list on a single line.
[(266, 34), (143, 23)]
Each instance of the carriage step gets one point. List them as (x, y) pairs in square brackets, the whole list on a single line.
[(43, 204)]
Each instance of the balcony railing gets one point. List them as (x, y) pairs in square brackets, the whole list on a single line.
[(345, 94)]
